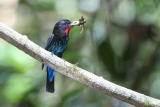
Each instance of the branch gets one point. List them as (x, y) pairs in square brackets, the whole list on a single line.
[(74, 72)]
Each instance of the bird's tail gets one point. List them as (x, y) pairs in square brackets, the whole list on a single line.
[(50, 79)]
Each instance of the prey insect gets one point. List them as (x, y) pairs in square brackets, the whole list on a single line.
[(82, 22)]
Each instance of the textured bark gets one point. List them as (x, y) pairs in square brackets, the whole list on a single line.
[(97, 82)]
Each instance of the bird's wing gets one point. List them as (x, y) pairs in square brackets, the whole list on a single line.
[(48, 44), (49, 41)]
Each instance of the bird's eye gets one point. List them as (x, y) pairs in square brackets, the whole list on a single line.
[(65, 24)]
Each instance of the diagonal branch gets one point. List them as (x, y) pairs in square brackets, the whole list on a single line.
[(74, 72)]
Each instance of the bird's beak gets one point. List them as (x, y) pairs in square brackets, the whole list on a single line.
[(75, 23)]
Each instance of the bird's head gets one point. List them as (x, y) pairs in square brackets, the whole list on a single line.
[(63, 27)]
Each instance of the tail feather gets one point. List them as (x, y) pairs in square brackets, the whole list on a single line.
[(50, 79)]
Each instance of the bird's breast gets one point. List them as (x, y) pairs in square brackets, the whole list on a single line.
[(58, 47)]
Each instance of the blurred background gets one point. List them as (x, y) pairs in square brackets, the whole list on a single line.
[(120, 42)]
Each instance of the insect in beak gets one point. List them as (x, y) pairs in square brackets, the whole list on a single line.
[(81, 21)]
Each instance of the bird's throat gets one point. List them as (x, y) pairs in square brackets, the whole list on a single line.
[(68, 30)]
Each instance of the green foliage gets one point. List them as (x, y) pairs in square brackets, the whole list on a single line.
[(40, 5), (17, 86)]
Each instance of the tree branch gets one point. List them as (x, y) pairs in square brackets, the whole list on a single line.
[(74, 72)]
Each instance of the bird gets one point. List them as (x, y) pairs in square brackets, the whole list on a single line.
[(57, 44)]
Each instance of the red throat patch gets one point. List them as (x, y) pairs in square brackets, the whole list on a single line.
[(68, 30)]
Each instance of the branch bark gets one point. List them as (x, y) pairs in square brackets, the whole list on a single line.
[(72, 71)]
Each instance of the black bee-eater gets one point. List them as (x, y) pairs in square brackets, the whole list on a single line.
[(57, 43)]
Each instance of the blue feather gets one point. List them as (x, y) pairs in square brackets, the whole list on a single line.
[(51, 73)]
